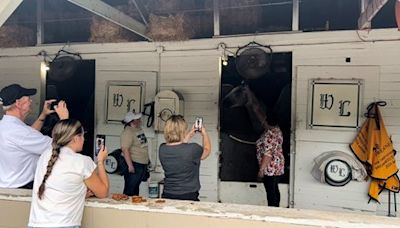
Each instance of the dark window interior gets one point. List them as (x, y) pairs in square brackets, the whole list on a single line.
[(324, 15), (77, 90), (238, 159), (385, 18)]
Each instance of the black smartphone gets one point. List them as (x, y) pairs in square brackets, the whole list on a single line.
[(52, 104)]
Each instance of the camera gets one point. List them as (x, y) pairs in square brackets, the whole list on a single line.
[(198, 124)]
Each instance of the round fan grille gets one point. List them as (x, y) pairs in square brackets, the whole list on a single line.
[(62, 68), (253, 62)]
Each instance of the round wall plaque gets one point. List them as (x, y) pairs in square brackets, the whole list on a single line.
[(337, 172)]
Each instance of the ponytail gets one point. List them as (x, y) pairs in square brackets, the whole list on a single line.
[(50, 164)]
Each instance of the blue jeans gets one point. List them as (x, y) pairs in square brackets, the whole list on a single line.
[(133, 180)]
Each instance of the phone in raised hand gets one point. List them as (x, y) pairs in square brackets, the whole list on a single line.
[(100, 141), (198, 124)]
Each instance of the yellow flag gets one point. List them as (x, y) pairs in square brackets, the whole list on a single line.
[(374, 147)]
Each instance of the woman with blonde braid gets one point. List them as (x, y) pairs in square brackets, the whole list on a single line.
[(64, 177)]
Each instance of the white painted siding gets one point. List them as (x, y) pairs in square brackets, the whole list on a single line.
[(192, 68), (379, 84)]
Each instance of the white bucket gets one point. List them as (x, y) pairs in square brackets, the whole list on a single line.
[(153, 190)]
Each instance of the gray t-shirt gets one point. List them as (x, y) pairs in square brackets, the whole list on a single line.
[(181, 164)]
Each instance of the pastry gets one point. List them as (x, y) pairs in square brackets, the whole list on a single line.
[(119, 197)]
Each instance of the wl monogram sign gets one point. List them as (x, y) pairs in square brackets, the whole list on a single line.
[(335, 103), (123, 97)]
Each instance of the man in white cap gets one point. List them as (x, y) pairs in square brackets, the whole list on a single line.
[(21, 145), (135, 152)]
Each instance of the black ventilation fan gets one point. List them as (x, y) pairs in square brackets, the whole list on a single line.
[(253, 60), (63, 66)]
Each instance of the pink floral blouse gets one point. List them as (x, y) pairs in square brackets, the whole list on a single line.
[(270, 144)]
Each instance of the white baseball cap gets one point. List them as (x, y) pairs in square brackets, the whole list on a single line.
[(132, 116)]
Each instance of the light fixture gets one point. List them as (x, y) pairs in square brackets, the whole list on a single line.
[(224, 56), (224, 60), (45, 66)]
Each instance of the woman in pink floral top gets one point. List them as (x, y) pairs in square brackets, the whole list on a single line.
[(271, 161)]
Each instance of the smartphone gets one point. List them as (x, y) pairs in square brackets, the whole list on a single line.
[(52, 104), (100, 141), (198, 124)]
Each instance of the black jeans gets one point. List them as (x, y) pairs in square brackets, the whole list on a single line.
[(272, 189), (187, 196), (133, 180), (28, 186)]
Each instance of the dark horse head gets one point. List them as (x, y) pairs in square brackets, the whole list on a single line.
[(243, 96), (236, 97)]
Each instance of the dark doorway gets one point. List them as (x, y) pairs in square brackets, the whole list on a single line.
[(76, 88), (238, 158)]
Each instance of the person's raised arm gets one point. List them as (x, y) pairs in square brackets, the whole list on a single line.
[(189, 135), (62, 110), (98, 182), (206, 144)]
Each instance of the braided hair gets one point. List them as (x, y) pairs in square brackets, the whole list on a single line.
[(62, 134)]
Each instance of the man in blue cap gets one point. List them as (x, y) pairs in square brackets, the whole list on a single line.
[(21, 145)]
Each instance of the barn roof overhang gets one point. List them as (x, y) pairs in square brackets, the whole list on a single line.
[(7, 7)]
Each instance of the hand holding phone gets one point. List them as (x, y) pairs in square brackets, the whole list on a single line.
[(100, 143), (198, 124), (53, 104)]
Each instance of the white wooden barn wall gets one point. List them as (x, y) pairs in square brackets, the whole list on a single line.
[(194, 74), (192, 68), (378, 65)]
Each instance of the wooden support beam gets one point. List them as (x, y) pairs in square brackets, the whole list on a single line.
[(397, 11), (295, 15), (7, 7), (39, 22), (216, 7), (369, 13), (142, 11), (111, 14)]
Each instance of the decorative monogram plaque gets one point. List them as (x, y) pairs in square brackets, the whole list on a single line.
[(123, 97), (335, 103), (337, 173)]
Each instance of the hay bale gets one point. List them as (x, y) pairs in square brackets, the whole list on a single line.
[(16, 36), (169, 28), (104, 31)]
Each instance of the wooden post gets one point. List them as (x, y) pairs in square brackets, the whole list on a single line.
[(397, 12)]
